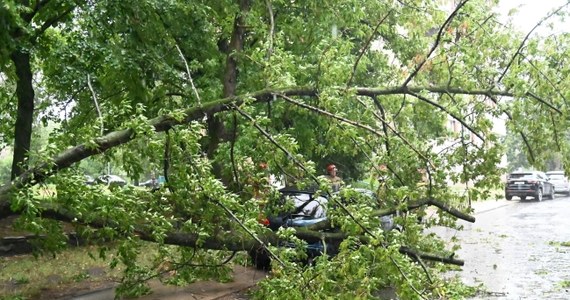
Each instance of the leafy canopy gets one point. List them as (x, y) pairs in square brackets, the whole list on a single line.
[(202, 92)]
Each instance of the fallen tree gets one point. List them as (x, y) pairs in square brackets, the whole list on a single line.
[(401, 97)]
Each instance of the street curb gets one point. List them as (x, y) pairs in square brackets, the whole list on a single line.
[(494, 207)]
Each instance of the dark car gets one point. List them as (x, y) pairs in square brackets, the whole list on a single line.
[(308, 210), (525, 184)]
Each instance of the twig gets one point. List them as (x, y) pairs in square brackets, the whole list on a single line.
[(533, 95), (421, 262), (298, 163), (422, 98), (166, 163), (271, 29), (180, 266), (94, 96), (524, 41), (232, 150), (556, 139), (523, 136), (189, 74), (557, 89), (331, 115), (356, 124), (435, 44), (406, 278), (365, 47), (253, 235), (384, 127)]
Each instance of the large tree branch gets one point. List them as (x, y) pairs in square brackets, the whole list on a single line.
[(231, 240), (162, 123), (326, 224), (51, 22)]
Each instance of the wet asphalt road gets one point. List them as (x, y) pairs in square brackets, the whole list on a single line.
[(516, 251)]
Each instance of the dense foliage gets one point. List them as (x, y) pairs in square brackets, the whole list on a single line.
[(203, 92)]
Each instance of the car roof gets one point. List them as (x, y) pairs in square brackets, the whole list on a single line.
[(555, 172)]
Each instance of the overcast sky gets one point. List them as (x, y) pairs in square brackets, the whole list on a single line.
[(530, 12)]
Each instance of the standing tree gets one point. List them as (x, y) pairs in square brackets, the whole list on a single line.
[(205, 91)]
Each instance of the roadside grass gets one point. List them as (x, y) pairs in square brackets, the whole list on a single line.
[(26, 276), (72, 270)]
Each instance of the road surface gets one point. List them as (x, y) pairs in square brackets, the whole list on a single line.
[(519, 250)]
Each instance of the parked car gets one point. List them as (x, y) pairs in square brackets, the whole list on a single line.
[(560, 181), (151, 183), (308, 209), (154, 183), (111, 180), (525, 184)]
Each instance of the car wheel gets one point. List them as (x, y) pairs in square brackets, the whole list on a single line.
[(538, 195), (508, 197), (553, 194), (523, 198)]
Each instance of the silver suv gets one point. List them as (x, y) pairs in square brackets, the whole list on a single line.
[(560, 181)]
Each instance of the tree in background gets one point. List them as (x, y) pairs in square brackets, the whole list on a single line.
[(205, 91)]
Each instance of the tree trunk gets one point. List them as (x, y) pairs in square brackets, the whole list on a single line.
[(25, 117), (215, 125)]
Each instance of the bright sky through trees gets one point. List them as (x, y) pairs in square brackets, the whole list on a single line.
[(527, 13)]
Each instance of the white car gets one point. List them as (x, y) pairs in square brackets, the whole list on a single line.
[(111, 180), (560, 181)]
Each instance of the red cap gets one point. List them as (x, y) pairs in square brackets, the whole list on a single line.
[(330, 167)]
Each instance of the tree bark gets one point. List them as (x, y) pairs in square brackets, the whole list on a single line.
[(215, 124), (233, 240), (25, 116)]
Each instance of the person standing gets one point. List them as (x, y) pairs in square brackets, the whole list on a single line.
[(336, 181)]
